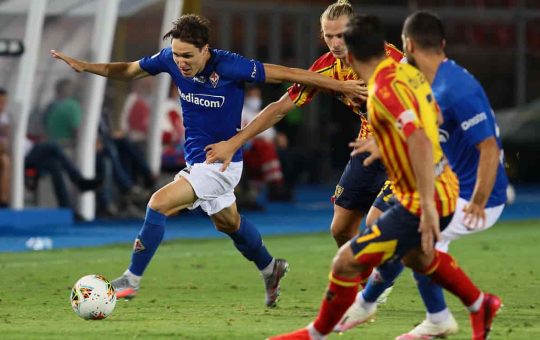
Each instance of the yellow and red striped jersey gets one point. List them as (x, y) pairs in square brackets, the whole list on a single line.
[(399, 102), (329, 66)]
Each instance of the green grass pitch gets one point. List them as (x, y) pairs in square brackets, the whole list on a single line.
[(206, 290)]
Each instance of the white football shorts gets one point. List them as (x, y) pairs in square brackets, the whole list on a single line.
[(214, 189), (457, 229)]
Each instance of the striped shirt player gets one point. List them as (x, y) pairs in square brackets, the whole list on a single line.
[(400, 102), (358, 185), (333, 67)]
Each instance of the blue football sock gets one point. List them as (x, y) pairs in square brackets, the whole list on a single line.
[(377, 284), (431, 293), (147, 241), (248, 241)]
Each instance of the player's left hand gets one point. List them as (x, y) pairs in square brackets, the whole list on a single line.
[(366, 145), (72, 62), (429, 227), (355, 89), (220, 152), (475, 216)]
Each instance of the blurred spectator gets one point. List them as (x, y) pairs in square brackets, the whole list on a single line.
[(5, 159), (261, 160), (172, 125), (63, 115), (135, 115), (111, 167), (49, 158), (172, 158), (130, 136), (290, 125), (133, 160), (46, 158)]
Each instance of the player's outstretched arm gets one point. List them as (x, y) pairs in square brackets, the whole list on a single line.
[(270, 115), (120, 70), (488, 165), (350, 88), (421, 156)]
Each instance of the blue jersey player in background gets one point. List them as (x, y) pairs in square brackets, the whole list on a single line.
[(469, 137), (211, 87)]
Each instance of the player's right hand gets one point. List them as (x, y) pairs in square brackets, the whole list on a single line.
[(220, 152), (355, 89), (73, 63), (474, 217), (429, 227), (366, 145)]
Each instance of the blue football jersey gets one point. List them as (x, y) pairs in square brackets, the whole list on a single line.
[(212, 100), (468, 120)]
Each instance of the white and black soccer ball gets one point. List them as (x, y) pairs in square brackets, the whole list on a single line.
[(93, 297)]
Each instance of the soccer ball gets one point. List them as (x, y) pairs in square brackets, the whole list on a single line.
[(93, 297)]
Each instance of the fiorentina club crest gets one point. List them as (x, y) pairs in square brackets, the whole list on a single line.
[(214, 78), (138, 246)]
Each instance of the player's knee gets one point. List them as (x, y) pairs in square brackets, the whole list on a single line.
[(418, 260), (344, 264), (371, 218), (373, 215), (159, 202), (342, 230), (225, 227), (226, 224)]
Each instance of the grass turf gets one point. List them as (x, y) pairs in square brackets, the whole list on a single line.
[(206, 290)]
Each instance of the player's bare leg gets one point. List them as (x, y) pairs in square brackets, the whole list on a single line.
[(345, 224), (373, 214), (340, 294)]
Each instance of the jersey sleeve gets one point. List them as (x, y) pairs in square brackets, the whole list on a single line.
[(473, 119), (394, 53), (399, 104), (301, 94), (156, 64), (240, 68)]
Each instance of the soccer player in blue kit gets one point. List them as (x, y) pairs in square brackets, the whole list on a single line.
[(469, 136), (211, 87)]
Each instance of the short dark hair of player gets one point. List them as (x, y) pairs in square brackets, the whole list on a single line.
[(364, 37), (426, 29), (190, 28), (3, 91)]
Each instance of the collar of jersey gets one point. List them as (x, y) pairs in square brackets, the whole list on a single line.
[(437, 80), (208, 68)]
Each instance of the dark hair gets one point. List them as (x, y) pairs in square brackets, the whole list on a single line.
[(3, 91), (364, 37), (190, 28), (426, 29)]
